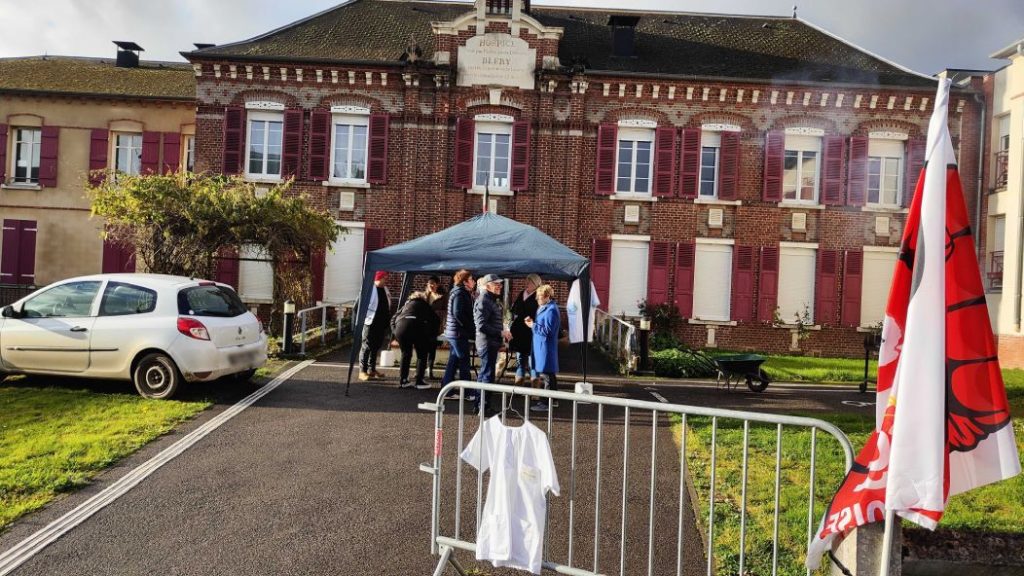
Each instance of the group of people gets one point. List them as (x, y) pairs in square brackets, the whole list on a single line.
[(471, 314)]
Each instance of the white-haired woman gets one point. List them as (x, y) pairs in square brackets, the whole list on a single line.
[(545, 328)]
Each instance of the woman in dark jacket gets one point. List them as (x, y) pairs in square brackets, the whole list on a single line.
[(524, 306), (415, 326), (459, 329)]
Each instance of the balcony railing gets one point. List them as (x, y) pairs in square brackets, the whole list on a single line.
[(1002, 162), (995, 270), (499, 7)]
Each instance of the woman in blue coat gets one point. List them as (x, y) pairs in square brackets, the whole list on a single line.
[(545, 342)]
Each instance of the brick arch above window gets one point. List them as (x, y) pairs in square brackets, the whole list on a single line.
[(656, 116), (911, 129), (828, 125), (507, 99), (745, 123), (24, 120), (341, 99), (126, 125), (498, 110), (246, 96)]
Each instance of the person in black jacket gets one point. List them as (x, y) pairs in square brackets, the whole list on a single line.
[(415, 327), (524, 306), (459, 328), (490, 329), (438, 299), (378, 318)]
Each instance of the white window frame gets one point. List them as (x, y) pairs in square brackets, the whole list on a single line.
[(634, 135), (709, 139), (261, 116), (116, 147), (350, 120), (497, 126), (188, 160), (879, 151), (801, 144), (35, 148)]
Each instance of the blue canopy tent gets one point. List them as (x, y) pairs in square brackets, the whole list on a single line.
[(484, 244)]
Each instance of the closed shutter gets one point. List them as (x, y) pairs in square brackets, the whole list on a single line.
[(18, 258), (853, 270), (689, 163), (465, 133), (657, 272), (3, 153), (607, 136), (601, 268), (664, 161), (520, 155), (857, 181), (832, 170), (373, 239), (768, 284), (319, 145), (99, 146), (712, 290), (117, 258), (878, 271), (172, 152), (291, 150), (150, 152), (743, 284), (796, 293), (628, 284), (317, 263), (227, 267), (255, 275), (234, 139), (774, 154), (48, 156), (344, 267), (377, 165), (826, 296), (915, 163), (729, 166), (685, 265)]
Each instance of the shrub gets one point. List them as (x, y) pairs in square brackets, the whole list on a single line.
[(678, 364)]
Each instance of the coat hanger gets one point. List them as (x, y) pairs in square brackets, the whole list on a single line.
[(505, 408)]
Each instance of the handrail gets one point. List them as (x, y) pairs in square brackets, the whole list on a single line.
[(616, 335), (303, 314)]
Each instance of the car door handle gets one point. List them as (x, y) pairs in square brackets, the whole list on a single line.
[(79, 329)]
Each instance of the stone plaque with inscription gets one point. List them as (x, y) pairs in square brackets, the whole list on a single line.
[(497, 60)]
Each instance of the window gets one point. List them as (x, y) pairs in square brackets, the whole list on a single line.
[(885, 172), (1004, 133), (710, 151), (255, 275), (493, 155), (344, 270), (712, 290), (26, 155), (633, 174), (796, 283), (995, 254), (348, 157), (263, 154), (124, 299), (128, 153), (801, 169), (879, 266), (628, 283), (190, 153), (210, 301), (67, 300)]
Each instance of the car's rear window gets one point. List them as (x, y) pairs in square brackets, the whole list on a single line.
[(210, 300)]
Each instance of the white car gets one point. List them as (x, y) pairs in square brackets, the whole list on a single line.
[(152, 329)]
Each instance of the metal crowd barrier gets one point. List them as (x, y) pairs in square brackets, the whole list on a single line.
[(444, 545)]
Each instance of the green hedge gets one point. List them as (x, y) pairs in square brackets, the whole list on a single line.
[(673, 363)]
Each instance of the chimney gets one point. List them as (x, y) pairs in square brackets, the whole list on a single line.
[(623, 35), (127, 54)]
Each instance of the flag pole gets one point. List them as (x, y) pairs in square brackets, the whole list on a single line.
[(890, 519)]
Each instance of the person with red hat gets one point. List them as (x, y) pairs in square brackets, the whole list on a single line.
[(375, 328)]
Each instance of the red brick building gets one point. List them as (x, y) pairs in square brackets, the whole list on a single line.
[(744, 169)]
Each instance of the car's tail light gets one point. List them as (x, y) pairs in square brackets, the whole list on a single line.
[(193, 328)]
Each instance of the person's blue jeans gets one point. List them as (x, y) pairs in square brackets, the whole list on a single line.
[(458, 357), (488, 359), (525, 363)]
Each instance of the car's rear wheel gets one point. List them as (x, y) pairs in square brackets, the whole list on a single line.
[(244, 376), (156, 376)]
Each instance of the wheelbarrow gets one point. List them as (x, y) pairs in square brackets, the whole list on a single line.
[(731, 370)]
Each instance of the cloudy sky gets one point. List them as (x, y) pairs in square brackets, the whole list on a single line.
[(925, 35)]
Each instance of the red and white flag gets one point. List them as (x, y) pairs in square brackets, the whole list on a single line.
[(943, 422)]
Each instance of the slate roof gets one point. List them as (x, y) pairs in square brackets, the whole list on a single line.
[(765, 48), (97, 77)]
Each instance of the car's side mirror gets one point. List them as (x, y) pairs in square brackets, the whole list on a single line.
[(10, 312)]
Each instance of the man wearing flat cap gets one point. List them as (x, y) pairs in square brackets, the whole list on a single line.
[(490, 330)]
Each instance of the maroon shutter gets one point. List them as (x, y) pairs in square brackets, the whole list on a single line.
[(150, 152), (743, 284), (319, 145), (520, 155), (47, 156), (227, 267), (98, 149), (686, 256), (768, 284), (914, 164), (826, 297), (117, 258), (689, 163), (664, 162), (729, 166), (234, 139), (172, 152), (607, 140), (857, 181), (853, 270), (774, 157), (377, 157), (3, 153), (657, 272), (373, 239), (601, 268), (832, 170), (317, 264), (465, 133), (291, 149), (18, 259)]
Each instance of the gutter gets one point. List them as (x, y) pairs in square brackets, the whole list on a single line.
[(981, 172), (198, 56), (26, 92), (770, 81)]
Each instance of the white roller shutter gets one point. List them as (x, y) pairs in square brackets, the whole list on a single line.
[(876, 280), (255, 279), (629, 277), (343, 274), (796, 282), (712, 282)]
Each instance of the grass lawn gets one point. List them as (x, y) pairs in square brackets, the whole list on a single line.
[(994, 508), (55, 440)]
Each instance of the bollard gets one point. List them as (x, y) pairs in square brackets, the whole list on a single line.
[(289, 321)]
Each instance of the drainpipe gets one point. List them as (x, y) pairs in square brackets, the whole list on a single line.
[(981, 172), (1020, 246)]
